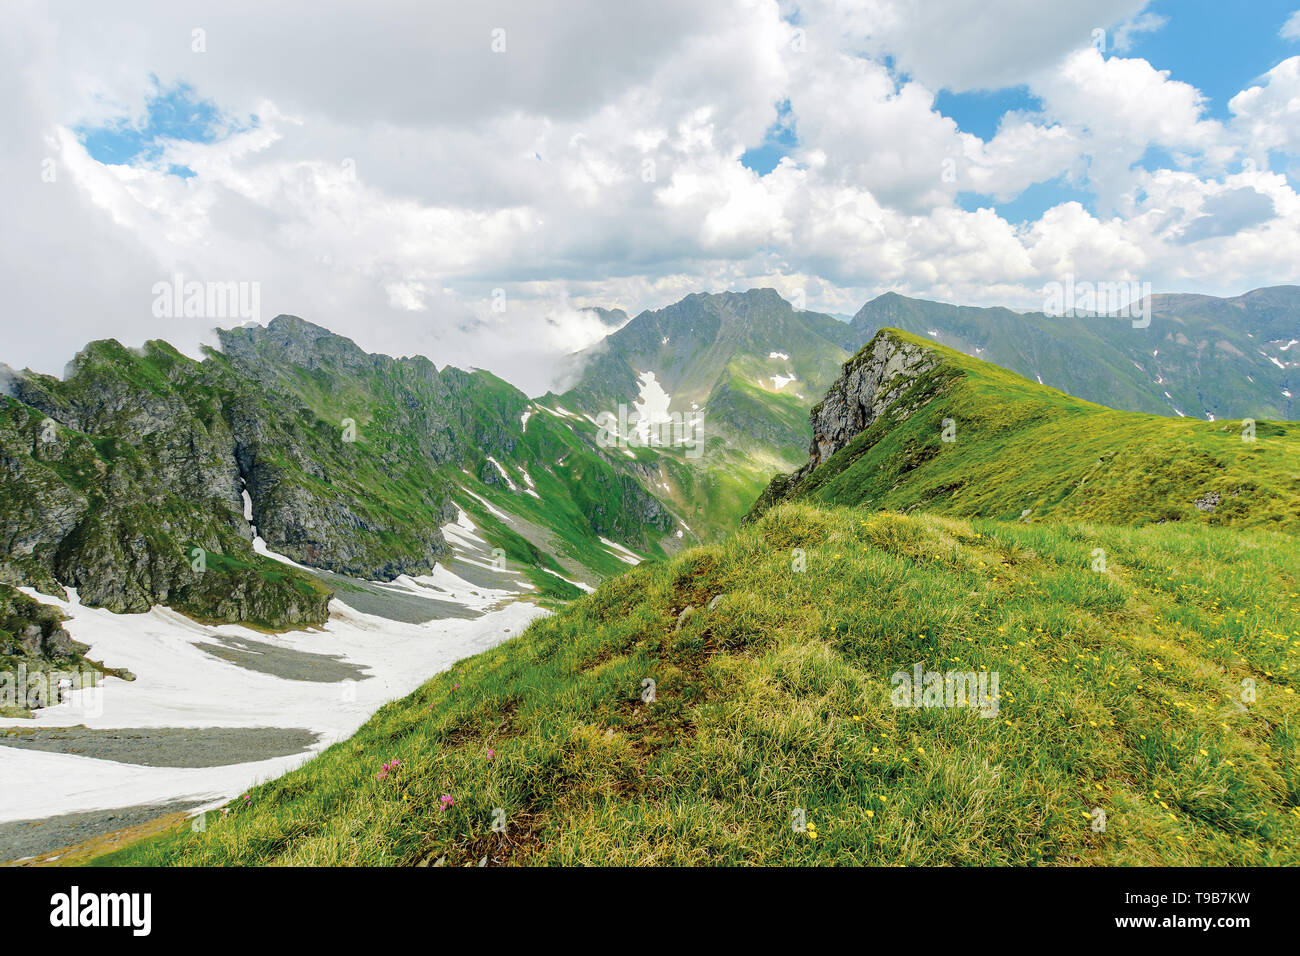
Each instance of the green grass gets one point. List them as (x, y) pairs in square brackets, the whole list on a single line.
[(1117, 691), (1024, 450)]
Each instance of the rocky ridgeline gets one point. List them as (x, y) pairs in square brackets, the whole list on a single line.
[(125, 480)]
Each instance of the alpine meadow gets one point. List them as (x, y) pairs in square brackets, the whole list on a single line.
[(751, 433)]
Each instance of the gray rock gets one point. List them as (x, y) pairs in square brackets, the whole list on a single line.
[(871, 382), (1208, 501)]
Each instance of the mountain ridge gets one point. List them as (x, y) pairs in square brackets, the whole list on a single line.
[(147, 477), (912, 424)]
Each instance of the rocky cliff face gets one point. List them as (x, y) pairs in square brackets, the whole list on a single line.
[(871, 382), (879, 380), (127, 478), (126, 481), (122, 481)]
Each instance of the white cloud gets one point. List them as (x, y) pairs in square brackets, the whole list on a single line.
[(1268, 115), (1291, 29), (400, 171), (971, 44), (1132, 27)]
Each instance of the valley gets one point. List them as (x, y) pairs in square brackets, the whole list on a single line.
[(628, 683)]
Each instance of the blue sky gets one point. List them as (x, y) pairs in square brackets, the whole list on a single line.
[(389, 201), (1209, 44), (172, 114)]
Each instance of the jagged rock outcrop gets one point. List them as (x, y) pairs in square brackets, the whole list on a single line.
[(871, 384), (33, 631)]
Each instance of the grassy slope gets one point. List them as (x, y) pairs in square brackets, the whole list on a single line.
[(583, 492), (1117, 691), (727, 368), (567, 508), (1200, 354), (1023, 446)]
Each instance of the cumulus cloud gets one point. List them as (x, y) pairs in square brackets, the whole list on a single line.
[(463, 181), (1229, 213)]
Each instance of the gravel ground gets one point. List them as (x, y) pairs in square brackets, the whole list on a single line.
[(27, 838), (383, 602), (166, 746), (281, 661)]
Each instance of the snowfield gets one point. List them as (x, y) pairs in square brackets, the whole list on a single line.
[(181, 683)]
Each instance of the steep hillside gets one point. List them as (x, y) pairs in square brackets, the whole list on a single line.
[(538, 479), (145, 477), (913, 425), (1201, 356), (748, 364), (737, 704)]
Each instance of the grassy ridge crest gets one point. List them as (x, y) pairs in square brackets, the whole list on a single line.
[(1119, 690)]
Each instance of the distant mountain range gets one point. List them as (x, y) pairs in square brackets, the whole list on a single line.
[(755, 366), (292, 442), (1201, 356)]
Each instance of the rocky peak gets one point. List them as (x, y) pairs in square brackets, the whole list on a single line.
[(870, 383), (287, 339)]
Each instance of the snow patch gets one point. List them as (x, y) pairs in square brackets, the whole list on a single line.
[(620, 552), (179, 684), (492, 509), (510, 484), (651, 407)]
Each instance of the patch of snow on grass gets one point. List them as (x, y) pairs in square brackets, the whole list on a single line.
[(620, 552), (492, 509), (651, 407), (510, 484)]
